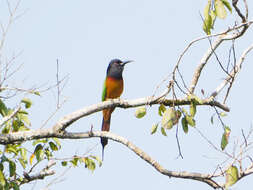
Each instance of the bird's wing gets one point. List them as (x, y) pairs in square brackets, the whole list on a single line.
[(104, 92)]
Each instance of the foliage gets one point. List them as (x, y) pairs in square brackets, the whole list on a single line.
[(13, 156), (214, 9)]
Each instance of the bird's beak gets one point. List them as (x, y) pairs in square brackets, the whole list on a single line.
[(125, 62)]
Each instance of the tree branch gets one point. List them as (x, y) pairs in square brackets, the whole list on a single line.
[(206, 178), (224, 36), (63, 123), (67, 120), (233, 72), (40, 175), (7, 118)]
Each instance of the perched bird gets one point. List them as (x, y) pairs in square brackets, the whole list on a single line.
[(113, 88)]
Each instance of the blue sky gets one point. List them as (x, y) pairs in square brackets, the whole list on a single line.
[(85, 36)]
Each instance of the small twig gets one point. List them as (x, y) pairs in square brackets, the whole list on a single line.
[(245, 140), (219, 117), (233, 73), (58, 84), (178, 145), (40, 175), (7, 118), (232, 78), (53, 114), (234, 3)]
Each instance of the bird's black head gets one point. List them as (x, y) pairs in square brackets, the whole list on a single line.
[(116, 68)]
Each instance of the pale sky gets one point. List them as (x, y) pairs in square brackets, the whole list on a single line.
[(85, 36)]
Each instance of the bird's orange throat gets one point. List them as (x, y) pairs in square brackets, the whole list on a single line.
[(114, 87)]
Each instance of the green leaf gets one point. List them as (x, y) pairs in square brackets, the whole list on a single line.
[(85, 160), (207, 9), (3, 108), (12, 168), (1, 166), (57, 141), (64, 163), (184, 111), (2, 178), (23, 153), (14, 185), (39, 153), (184, 125), (23, 128), (53, 146), (48, 153), (90, 164), (140, 112), (6, 129), (227, 4), (193, 109), (212, 119), (227, 130), (23, 112), (154, 128), (223, 114), (161, 109), (16, 124), (24, 118), (74, 161), (27, 102), (98, 160), (4, 159), (37, 93), (11, 149), (231, 176), (40, 141), (220, 9), (224, 142), (190, 120), (23, 162), (207, 25), (225, 137), (213, 16), (170, 118), (163, 131)]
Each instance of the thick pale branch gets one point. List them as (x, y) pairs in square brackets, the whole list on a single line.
[(63, 123), (206, 178), (74, 116), (203, 62), (67, 120)]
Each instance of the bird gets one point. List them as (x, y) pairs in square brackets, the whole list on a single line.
[(113, 88)]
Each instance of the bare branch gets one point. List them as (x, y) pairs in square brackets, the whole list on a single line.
[(40, 175), (211, 50), (206, 178), (7, 118), (234, 3), (233, 73)]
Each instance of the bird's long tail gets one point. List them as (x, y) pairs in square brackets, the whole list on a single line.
[(105, 127)]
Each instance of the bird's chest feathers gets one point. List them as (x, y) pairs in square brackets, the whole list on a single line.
[(114, 87)]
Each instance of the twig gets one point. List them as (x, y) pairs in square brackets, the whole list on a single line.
[(7, 118), (233, 72), (40, 175), (58, 84), (178, 145)]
